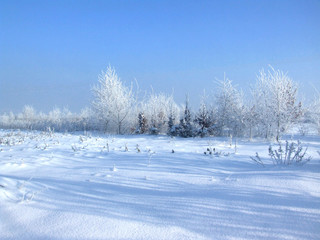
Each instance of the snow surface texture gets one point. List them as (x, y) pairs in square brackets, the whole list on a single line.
[(62, 186)]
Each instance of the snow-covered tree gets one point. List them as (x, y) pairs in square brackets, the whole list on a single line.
[(28, 116), (314, 112), (113, 101), (204, 118), (157, 110), (186, 128), (171, 130), (250, 120), (142, 124), (85, 119), (55, 119), (229, 109), (275, 98), (7, 120), (173, 127)]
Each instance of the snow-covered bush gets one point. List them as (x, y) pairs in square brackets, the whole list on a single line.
[(290, 153), (154, 131)]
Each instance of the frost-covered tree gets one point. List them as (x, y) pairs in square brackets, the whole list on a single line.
[(7, 120), (28, 116), (250, 120), (55, 119), (113, 101), (157, 109), (275, 97), (229, 109), (86, 120), (314, 112)]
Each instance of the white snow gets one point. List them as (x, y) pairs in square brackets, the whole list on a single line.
[(63, 186)]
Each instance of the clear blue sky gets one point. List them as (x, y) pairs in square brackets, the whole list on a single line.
[(51, 52)]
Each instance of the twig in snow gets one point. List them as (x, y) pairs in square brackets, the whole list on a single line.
[(257, 159)]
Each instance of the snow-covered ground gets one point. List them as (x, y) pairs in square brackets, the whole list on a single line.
[(63, 186)]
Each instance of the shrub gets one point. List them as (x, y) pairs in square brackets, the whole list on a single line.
[(290, 153)]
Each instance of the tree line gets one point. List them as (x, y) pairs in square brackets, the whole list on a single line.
[(116, 109)]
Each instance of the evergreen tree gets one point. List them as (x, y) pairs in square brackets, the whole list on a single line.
[(173, 128), (186, 128), (143, 124), (203, 119), (171, 125)]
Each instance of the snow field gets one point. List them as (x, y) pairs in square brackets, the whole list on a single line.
[(63, 186)]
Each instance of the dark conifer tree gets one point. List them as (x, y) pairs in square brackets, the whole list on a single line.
[(203, 119), (143, 125), (186, 128)]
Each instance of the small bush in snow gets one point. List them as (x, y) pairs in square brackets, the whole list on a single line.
[(290, 153), (138, 148), (154, 131)]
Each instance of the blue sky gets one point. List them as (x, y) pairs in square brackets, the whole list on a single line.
[(51, 52)]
